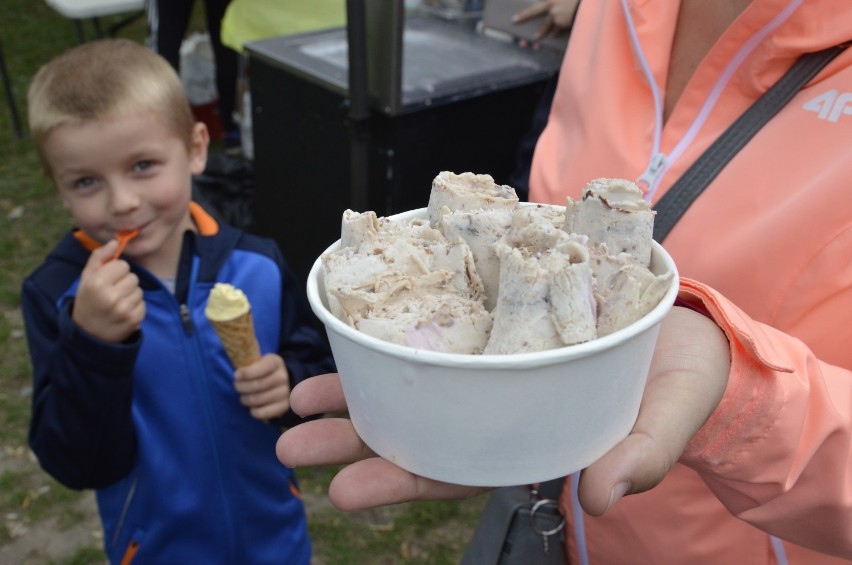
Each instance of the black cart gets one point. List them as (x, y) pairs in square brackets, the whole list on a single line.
[(428, 94)]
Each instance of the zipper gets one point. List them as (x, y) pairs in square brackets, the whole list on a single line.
[(187, 272), (659, 163), (186, 318), (218, 458), (203, 385), (652, 175), (124, 508), (657, 166)]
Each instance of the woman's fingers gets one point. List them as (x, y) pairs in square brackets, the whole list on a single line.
[(369, 481), (321, 394), (377, 482), (329, 441)]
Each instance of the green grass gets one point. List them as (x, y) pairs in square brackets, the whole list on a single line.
[(31, 221)]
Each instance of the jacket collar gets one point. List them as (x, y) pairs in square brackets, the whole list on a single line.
[(203, 221)]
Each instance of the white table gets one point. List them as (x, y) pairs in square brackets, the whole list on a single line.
[(79, 10)]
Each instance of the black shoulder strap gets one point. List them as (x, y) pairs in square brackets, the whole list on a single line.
[(687, 188)]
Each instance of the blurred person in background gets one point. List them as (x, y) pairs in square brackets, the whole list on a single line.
[(168, 21)]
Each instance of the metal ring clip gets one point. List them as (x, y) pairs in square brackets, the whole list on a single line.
[(536, 507)]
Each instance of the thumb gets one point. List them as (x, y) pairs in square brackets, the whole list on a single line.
[(688, 376), (635, 465), (104, 253)]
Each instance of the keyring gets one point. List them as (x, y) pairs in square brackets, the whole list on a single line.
[(540, 504)]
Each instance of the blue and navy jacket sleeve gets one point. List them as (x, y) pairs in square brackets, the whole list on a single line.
[(81, 427)]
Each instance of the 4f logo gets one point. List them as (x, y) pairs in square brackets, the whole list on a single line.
[(831, 105)]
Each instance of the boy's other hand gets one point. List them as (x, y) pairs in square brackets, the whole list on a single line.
[(264, 387), (109, 303)]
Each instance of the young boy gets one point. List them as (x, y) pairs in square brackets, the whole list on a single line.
[(133, 393)]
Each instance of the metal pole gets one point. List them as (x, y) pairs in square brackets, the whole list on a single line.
[(10, 96), (359, 104)]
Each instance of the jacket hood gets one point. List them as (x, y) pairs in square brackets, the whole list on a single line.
[(803, 26), (213, 241), (814, 25), (779, 31)]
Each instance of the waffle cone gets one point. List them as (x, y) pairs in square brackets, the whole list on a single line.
[(239, 339)]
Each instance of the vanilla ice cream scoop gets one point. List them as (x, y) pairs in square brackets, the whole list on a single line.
[(229, 312), (226, 302)]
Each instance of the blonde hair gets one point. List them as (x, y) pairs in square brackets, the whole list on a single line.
[(104, 79)]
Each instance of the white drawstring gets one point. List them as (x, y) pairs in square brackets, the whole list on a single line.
[(579, 526), (659, 162), (780, 552)]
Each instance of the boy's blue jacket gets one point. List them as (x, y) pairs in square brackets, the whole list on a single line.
[(183, 473)]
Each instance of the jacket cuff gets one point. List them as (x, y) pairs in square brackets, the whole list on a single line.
[(744, 413)]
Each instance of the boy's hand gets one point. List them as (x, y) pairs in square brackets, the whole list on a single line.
[(264, 387), (109, 303)]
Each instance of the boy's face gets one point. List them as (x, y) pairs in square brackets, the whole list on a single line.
[(129, 172)]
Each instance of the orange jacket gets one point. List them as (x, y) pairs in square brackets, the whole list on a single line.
[(770, 241)]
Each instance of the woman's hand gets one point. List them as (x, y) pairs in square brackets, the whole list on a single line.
[(686, 381), (369, 480)]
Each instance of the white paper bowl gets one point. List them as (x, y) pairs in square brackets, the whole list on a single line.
[(493, 420)]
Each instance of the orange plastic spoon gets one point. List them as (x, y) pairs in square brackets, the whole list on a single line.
[(123, 238)]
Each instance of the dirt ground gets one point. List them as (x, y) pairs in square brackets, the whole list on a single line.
[(49, 541), (50, 538), (45, 541)]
